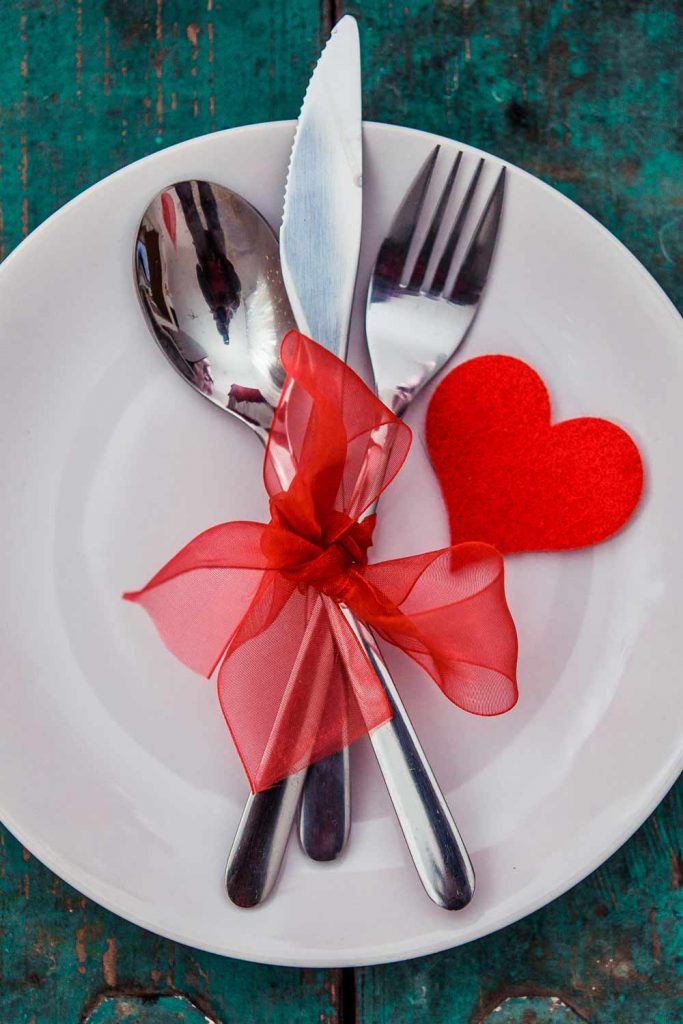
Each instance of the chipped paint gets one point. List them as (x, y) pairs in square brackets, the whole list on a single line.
[(109, 963)]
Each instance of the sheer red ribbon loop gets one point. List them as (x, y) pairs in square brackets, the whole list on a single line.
[(259, 604)]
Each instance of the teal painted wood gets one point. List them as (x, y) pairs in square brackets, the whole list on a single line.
[(583, 93), (609, 949), (60, 953), (579, 92), (173, 1009), (87, 87)]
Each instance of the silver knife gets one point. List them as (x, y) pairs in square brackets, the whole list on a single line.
[(319, 246), (320, 242)]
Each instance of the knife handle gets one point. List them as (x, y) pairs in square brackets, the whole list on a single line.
[(435, 845), (325, 816)]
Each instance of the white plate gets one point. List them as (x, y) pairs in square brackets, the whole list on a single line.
[(116, 768)]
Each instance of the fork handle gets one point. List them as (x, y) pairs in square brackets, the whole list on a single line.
[(435, 845)]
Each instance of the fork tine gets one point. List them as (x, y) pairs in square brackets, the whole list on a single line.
[(471, 278), (439, 281), (392, 255), (418, 275)]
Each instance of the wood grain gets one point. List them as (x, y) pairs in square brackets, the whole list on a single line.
[(583, 93), (580, 92)]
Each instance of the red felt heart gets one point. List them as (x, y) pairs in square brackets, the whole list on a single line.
[(513, 479)]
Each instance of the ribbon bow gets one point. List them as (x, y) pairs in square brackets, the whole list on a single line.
[(262, 603)]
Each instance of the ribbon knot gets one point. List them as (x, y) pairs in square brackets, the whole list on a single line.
[(322, 561), (258, 604)]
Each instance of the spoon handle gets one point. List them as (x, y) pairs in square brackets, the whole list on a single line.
[(259, 845), (260, 841)]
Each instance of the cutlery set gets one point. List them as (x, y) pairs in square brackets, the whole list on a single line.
[(219, 293)]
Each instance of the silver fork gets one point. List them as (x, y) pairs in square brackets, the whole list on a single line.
[(415, 322)]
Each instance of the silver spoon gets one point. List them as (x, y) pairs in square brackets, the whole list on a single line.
[(207, 269), (208, 274)]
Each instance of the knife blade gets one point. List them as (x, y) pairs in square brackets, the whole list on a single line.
[(321, 222)]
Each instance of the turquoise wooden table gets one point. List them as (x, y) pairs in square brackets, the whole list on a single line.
[(579, 92)]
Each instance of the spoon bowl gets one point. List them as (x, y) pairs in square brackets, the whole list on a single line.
[(207, 268)]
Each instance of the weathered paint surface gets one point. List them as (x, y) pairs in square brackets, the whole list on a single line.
[(580, 92), (607, 950), (148, 1008), (533, 1010)]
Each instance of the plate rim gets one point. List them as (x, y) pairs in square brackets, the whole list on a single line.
[(657, 787)]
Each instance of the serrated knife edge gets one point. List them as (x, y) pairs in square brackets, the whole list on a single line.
[(322, 211)]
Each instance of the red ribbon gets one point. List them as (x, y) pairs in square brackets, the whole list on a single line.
[(260, 603)]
